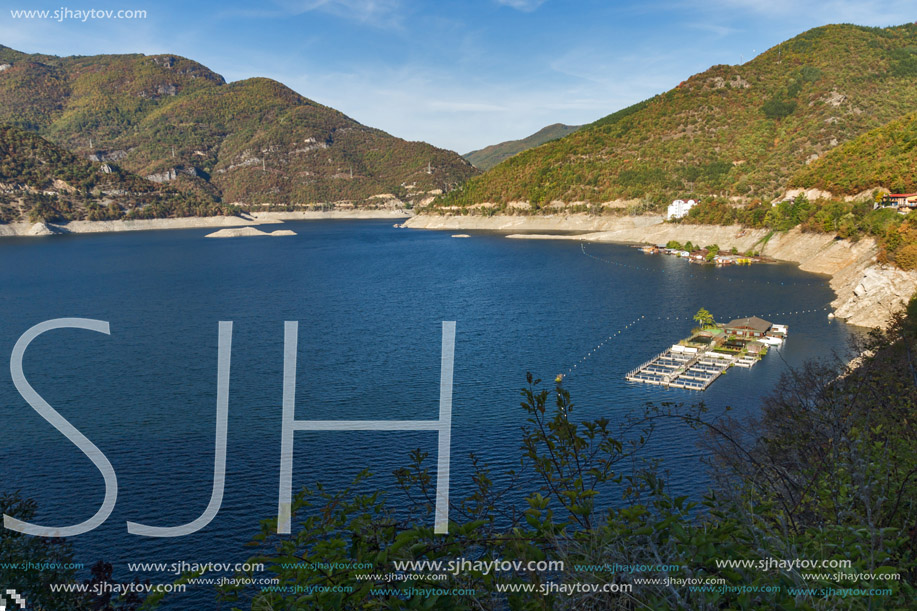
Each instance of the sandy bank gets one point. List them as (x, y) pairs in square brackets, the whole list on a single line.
[(39, 229), (258, 218), (309, 215), (239, 232), (868, 294), (546, 222)]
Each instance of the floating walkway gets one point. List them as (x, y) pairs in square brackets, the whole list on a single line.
[(685, 367)]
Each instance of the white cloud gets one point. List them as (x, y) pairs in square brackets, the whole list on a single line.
[(522, 5), (377, 13)]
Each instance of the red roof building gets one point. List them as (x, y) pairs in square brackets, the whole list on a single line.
[(905, 202)]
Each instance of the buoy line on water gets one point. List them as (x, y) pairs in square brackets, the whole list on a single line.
[(598, 347), (573, 368)]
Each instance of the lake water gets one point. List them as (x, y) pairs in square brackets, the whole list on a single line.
[(369, 299)]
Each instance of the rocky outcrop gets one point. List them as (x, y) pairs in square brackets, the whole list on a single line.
[(167, 176), (41, 229), (880, 293), (172, 173), (816, 194), (116, 155)]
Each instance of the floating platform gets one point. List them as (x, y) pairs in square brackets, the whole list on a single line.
[(683, 367), (698, 360)]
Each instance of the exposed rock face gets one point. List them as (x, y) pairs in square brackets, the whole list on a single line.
[(40, 229), (835, 98), (165, 61), (811, 194), (5, 67), (880, 292), (172, 174), (167, 89), (166, 176), (543, 222), (60, 185), (735, 81), (117, 155)]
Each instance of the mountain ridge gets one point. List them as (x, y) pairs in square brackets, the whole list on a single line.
[(737, 132), (254, 142), (489, 156)]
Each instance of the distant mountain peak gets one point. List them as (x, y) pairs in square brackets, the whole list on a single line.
[(490, 156)]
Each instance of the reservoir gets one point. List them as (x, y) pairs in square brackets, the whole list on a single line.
[(370, 300)]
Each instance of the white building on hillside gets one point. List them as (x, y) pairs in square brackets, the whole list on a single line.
[(679, 208)]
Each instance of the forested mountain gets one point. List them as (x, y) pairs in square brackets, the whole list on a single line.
[(883, 157), (253, 141), (731, 131), (40, 181)]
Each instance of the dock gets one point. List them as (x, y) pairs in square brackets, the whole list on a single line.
[(691, 368), (697, 361)]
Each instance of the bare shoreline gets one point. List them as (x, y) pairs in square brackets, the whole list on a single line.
[(191, 222)]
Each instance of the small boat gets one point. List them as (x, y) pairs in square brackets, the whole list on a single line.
[(771, 340)]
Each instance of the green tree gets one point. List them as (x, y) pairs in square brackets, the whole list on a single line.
[(704, 318), (54, 554), (18, 548)]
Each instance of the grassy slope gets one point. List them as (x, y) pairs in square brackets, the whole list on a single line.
[(489, 156), (729, 131), (257, 140)]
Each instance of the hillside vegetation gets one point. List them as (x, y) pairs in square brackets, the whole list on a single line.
[(731, 131), (252, 142), (40, 181), (489, 156), (884, 157)]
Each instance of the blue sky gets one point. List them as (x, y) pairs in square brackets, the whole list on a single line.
[(460, 74)]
